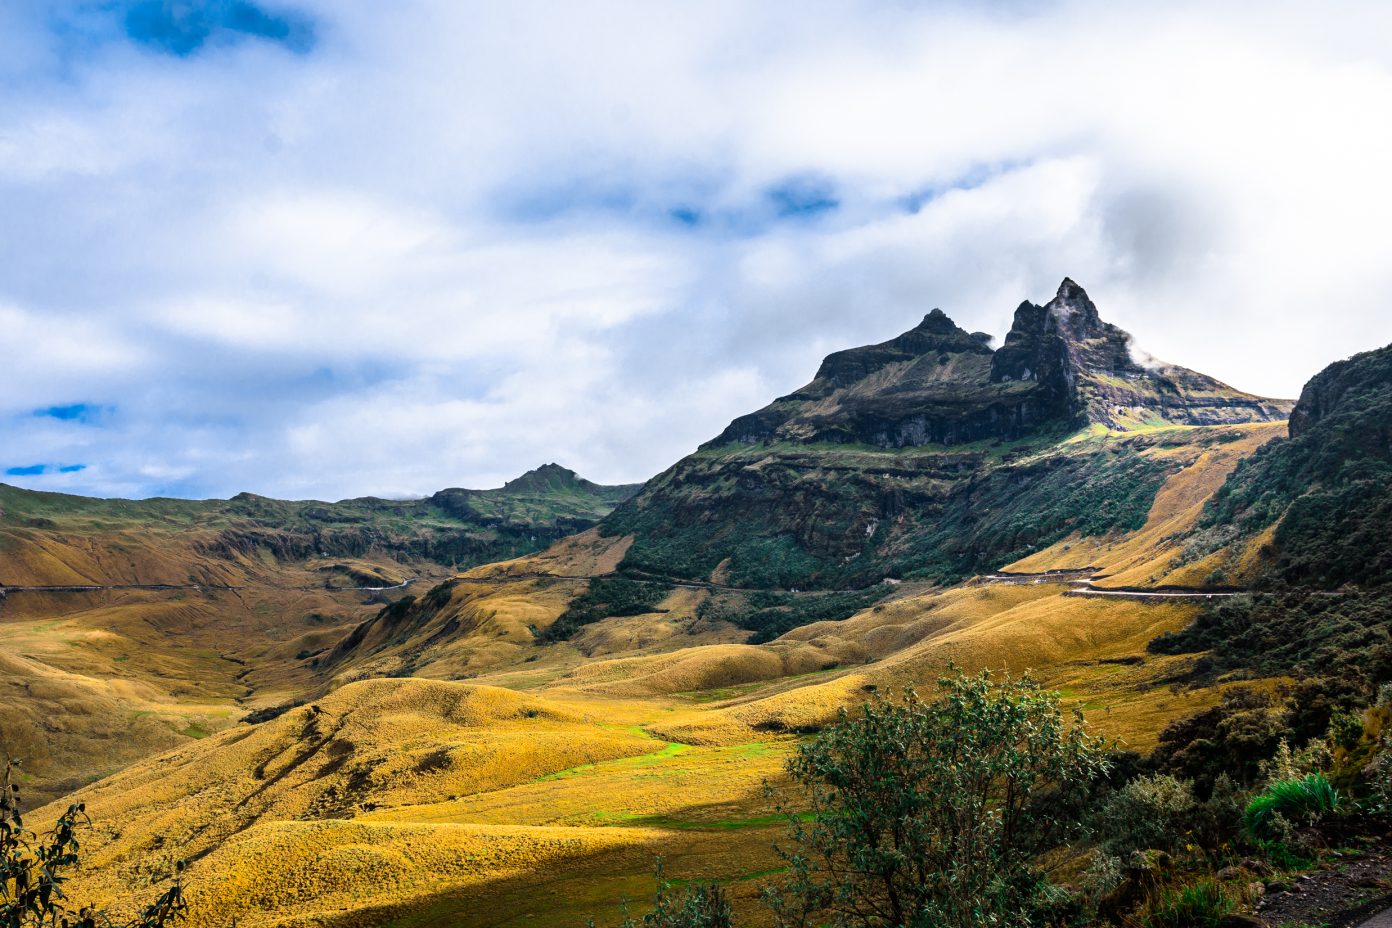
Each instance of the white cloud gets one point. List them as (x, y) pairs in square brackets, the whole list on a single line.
[(439, 248)]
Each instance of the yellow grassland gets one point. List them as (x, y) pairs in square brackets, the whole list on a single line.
[(534, 786), (92, 682)]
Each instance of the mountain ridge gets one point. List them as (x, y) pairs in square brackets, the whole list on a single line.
[(450, 527), (1060, 364)]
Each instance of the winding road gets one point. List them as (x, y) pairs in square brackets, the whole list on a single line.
[(1082, 582)]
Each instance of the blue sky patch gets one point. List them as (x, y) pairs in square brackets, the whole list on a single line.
[(555, 201), (36, 470), (802, 196), (182, 27), (977, 176), (73, 412), (686, 215)]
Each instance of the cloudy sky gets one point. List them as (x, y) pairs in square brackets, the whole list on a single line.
[(325, 248)]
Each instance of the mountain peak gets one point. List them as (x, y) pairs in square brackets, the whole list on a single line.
[(1061, 365), (546, 477), (1077, 315), (937, 322), (1069, 290)]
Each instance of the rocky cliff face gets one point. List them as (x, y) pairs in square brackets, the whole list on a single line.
[(1061, 366)]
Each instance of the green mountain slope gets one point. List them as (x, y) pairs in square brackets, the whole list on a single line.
[(1321, 501), (1329, 485), (52, 538)]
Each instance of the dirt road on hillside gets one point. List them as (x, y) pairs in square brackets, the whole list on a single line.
[(1082, 581)]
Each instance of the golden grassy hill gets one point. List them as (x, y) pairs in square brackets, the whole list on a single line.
[(90, 682)]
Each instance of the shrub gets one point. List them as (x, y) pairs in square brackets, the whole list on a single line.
[(1199, 905), (1159, 812), (1301, 800), (1379, 775), (1345, 729), (931, 813), (1149, 812), (698, 905), (1233, 737), (33, 869), (1286, 764), (606, 597), (1304, 631)]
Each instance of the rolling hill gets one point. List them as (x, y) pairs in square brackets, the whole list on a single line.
[(218, 606)]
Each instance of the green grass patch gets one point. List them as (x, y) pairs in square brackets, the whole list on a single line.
[(623, 763)]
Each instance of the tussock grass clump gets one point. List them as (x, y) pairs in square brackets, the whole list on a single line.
[(1300, 800), (1199, 905)]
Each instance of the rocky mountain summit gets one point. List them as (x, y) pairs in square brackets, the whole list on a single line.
[(1060, 366)]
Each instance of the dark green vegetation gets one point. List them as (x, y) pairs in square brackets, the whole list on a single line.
[(33, 869), (1329, 484), (605, 597), (929, 456), (1297, 631), (454, 528), (1246, 729), (770, 614), (838, 518), (936, 813), (1198, 905)]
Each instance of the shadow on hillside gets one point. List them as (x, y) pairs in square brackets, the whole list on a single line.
[(570, 891)]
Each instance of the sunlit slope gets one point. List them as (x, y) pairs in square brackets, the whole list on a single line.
[(1161, 551), (260, 592), (92, 681), (370, 745), (494, 617)]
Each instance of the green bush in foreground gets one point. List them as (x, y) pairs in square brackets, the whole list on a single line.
[(1303, 800), (936, 814), (33, 869)]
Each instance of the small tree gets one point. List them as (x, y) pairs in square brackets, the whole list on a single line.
[(696, 905), (34, 867), (936, 814)]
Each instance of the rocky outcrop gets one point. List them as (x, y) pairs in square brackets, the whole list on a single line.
[(1361, 379), (1327, 489), (1061, 367)]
